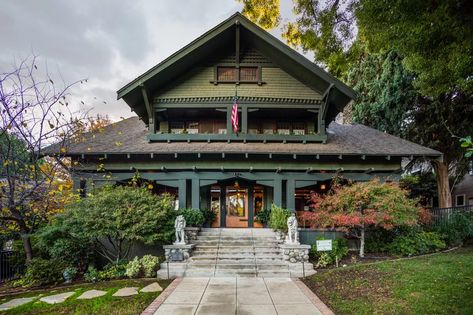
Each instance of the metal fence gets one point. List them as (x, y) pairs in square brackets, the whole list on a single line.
[(8, 269), (441, 216)]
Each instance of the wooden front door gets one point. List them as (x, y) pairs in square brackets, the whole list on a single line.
[(236, 207)]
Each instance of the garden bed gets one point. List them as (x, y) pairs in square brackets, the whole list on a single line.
[(439, 283)]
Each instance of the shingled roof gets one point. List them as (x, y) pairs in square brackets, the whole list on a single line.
[(129, 136)]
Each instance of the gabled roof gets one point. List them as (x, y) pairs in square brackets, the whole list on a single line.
[(129, 137), (282, 55)]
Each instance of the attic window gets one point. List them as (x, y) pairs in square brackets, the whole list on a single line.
[(241, 74), (226, 74)]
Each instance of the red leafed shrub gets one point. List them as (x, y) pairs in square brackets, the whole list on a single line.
[(357, 206)]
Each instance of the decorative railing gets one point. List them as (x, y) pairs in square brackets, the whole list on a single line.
[(8, 269)]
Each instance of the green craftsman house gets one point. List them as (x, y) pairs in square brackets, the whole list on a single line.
[(284, 145)]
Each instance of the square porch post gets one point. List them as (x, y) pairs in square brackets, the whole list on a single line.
[(277, 192), (290, 192), (182, 193), (195, 201)]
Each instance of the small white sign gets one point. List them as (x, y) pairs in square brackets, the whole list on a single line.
[(324, 245)]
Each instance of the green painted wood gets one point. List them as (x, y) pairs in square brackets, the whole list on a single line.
[(182, 193), (290, 192), (305, 183), (223, 105), (277, 192), (250, 206), (244, 120), (199, 83), (223, 208), (202, 137), (195, 194)]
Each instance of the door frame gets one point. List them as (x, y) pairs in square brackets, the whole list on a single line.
[(244, 183)]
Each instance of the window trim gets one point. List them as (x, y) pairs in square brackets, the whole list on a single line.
[(456, 200), (259, 74)]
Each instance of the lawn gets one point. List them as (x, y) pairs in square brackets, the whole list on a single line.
[(438, 284), (106, 304)]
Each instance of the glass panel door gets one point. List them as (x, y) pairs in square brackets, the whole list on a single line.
[(237, 207)]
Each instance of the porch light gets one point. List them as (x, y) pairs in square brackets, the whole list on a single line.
[(236, 185), (322, 186)]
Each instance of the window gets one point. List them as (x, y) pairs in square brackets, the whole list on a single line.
[(176, 126), (284, 128), (460, 200), (230, 74), (249, 74), (226, 74), (192, 127), (298, 128)]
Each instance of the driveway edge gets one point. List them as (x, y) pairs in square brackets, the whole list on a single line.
[(324, 309), (153, 307)]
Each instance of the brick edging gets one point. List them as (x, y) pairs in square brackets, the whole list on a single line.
[(153, 307), (324, 309)]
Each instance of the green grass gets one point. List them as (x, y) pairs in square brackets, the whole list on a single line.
[(437, 284), (106, 304)]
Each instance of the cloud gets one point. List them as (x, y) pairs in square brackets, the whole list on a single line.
[(108, 42)]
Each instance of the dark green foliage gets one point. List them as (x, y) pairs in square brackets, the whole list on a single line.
[(326, 258), (61, 242), (194, 217), (416, 244), (209, 215), (278, 218), (379, 240), (110, 271), (422, 187), (436, 38), (263, 216), (115, 217), (385, 92), (41, 272), (458, 228)]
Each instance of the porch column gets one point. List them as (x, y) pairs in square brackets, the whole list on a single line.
[(244, 119), (182, 192), (251, 211), (229, 119), (277, 192), (223, 208), (290, 191), (195, 194)]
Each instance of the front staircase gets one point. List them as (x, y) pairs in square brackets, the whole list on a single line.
[(234, 252)]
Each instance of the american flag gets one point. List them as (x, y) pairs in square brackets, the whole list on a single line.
[(235, 115)]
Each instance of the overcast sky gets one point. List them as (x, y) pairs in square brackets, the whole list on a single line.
[(108, 42)]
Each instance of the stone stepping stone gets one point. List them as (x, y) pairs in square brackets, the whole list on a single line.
[(153, 287), (15, 303), (91, 294), (126, 291), (56, 298)]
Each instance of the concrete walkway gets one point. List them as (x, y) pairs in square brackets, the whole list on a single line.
[(238, 295)]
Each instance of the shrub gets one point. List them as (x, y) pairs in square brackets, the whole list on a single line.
[(60, 243), (278, 218), (263, 216), (339, 250), (122, 215), (378, 240), (416, 243), (41, 272), (133, 269), (71, 272), (92, 274), (458, 228), (194, 217), (150, 265), (113, 271), (209, 215)]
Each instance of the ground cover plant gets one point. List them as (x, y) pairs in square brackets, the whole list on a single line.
[(440, 283), (106, 304)]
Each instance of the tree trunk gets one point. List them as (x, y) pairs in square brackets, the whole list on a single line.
[(362, 242), (443, 185), (27, 246)]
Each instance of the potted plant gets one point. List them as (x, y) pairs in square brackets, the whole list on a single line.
[(209, 216), (263, 217), (278, 221)]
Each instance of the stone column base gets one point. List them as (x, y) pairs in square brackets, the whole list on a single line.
[(294, 253), (185, 249)]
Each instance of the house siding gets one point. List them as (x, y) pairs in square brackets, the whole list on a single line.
[(277, 84)]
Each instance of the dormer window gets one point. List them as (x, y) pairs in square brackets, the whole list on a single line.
[(238, 75)]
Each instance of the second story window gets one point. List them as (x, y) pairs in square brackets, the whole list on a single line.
[(242, 74)]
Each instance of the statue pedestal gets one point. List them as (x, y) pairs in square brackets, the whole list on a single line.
[(191, 233), (175, 265), (177, 252), (297, 258)]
